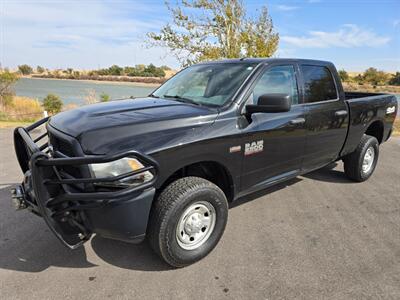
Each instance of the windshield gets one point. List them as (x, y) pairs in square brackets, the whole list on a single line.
[(208, 84)]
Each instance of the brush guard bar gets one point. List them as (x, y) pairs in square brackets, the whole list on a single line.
[(60, 198)]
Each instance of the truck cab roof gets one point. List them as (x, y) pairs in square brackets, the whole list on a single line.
[(260, 60)]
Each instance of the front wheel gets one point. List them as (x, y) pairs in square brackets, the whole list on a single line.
[(360, 164), (187, 220)]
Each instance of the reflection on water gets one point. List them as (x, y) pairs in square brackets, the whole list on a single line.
[(74, 91)]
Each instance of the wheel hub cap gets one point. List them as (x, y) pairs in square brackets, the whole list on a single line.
[(195, 225), (368, 160)]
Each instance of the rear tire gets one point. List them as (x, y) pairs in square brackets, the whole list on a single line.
[(187, 221), (360, 164)]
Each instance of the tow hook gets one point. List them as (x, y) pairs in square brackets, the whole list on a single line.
[(18, 198)]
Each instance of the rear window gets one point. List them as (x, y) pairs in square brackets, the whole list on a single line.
[(318, 84)]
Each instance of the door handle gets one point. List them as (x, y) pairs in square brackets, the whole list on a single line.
[(341, 113), (297, 121)]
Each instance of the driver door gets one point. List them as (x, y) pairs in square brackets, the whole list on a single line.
[(277, 138)]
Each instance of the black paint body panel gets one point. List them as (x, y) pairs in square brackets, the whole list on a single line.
[(178, 134)]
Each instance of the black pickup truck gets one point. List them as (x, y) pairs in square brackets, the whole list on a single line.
[(166, 166)]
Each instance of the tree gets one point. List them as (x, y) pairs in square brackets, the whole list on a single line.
[(7, 79), (375, 77), (52, 104), (152, 70), (395, 80), (25, 69), (76, 74), (40, 69), (359, 79), (104, 97), (115, 70), (140, 67), (219, 29), (130, 71), (165, 68), (344, 76)]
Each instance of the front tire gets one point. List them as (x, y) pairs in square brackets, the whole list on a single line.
[(360, 164), (187, 220)]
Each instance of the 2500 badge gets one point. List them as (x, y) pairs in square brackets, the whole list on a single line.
[(253, 147)]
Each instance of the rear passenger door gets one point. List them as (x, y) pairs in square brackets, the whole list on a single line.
[(326, 116)]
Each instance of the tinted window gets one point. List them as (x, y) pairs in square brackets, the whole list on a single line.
[(280, 80), (318, 84), (206, 84)]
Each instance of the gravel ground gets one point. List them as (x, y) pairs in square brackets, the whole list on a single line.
[(318, 236)]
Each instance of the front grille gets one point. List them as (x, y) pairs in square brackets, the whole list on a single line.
[(67, 147), (61, 145)]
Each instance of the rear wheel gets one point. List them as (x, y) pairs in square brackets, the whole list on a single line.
[(360, 164), (187, 220)]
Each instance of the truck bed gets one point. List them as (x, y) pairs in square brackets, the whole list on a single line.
[(353, 95), (365, 109)]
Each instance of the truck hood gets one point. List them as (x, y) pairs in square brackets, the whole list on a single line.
[(144, 124)]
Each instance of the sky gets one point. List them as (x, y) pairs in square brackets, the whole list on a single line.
[(90, 34)]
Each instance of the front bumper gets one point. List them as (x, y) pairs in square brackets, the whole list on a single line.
[(72, 207)]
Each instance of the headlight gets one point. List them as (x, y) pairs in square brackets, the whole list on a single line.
[(119, 167)]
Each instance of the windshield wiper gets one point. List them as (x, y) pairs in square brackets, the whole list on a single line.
[(182, 99), (153, 96)]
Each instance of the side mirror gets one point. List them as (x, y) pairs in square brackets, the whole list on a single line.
[(270, 103)]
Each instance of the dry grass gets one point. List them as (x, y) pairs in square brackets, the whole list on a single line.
[(13, 124), (69, 106), (91, 97), (368, 88), (22, 109)]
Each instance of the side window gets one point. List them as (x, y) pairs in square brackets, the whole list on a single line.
[(279, 79), (318, 84)]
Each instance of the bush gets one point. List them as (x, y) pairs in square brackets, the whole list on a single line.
[(7, 79), (52, 104), (152, 70), (395, 80), (40, 69), (76, 74), (344, 76), (25, 69), (115, 70), (104, 97), (375, 77), (165, 68)]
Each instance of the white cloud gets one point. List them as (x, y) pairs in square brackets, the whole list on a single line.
[(348, 36), (81, 34), (284, 7), (285, 52)]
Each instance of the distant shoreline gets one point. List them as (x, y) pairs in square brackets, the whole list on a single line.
[(114, 82)]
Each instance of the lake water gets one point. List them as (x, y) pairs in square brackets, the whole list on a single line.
[(74, 91)]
